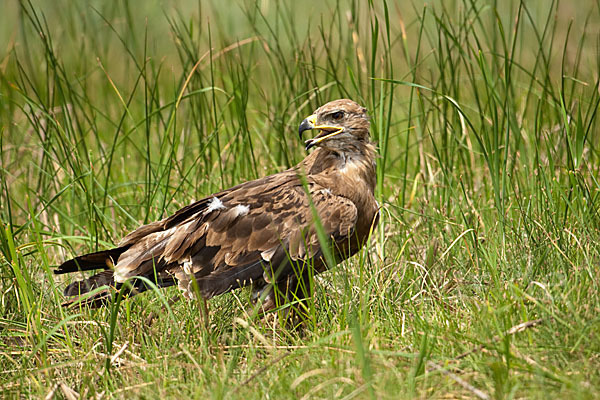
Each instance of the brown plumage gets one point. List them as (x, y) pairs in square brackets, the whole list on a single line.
[(259, 232)]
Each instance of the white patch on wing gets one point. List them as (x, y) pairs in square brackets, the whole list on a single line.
[(119, 277), (268, 254), (187, 266), (241, 210), (327, 191), (215, 204)]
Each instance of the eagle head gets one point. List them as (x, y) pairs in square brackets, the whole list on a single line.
[(340, 122)]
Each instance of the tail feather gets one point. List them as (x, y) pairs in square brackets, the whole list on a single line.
[(98, 300), (104, 259), (87, 285), (75, 292)]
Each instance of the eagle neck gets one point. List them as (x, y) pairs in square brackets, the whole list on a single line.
[(349, 172)]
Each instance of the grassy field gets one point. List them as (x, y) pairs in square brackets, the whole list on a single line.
[(482, 279)]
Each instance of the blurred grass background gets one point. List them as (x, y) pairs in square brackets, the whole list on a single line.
[(481, 280)]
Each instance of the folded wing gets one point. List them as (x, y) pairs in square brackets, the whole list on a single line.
[(252, 232)]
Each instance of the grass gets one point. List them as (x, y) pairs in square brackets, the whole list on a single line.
[(482, 278)]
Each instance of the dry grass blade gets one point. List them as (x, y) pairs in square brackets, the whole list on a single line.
[(515, 329), (261, 370), (69, 393), (476, 392)]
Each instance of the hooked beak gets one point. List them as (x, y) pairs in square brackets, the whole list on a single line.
[(327, 131)]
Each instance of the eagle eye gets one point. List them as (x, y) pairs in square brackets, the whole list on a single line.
[(337, 115)]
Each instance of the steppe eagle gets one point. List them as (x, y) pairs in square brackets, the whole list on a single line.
[(260, 233)]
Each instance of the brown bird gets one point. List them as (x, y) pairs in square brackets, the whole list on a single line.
[(260, 232)]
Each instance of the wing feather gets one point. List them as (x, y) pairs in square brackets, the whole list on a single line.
[(256, 228)]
